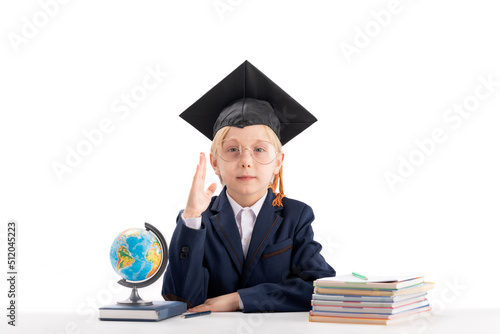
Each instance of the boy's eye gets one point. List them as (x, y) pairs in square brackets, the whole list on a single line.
[(259, 150), (233, 149)]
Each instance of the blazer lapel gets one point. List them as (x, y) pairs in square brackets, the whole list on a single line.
[(266, 225), (224, 223)]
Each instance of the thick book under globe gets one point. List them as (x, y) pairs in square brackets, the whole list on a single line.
[(158, 311)]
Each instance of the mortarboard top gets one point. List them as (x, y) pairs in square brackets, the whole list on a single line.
[(248, 97)]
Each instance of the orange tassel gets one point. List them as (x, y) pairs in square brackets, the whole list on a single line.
[(278, 179)]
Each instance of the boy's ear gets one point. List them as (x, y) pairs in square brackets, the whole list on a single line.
[(213, 162), (279, 163)]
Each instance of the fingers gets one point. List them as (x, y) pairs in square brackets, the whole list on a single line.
[(211, 189), (201, 164), (202, 167), (199, 308), (224, 303), (199, 198), (199, 176)]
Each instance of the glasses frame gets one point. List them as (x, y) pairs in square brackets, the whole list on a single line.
[(219, 149)]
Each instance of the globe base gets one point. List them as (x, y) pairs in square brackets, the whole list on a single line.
[(134, 299)]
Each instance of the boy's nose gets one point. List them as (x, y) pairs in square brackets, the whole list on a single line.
[(246, 158)]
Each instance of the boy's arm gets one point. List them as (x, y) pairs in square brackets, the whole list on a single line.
[(186, 279)]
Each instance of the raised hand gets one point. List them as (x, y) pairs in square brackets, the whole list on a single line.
[(199, 199)]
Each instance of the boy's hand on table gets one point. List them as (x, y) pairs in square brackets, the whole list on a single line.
[(224, 303)]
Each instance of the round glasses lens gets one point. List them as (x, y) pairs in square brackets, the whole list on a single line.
[(263, 152), (230, 150)]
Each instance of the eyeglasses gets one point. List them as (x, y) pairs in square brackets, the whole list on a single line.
[(262, 152)]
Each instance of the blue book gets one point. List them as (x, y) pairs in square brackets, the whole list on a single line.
[(158, 311)]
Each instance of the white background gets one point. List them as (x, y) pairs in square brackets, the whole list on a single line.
[(71, 71)]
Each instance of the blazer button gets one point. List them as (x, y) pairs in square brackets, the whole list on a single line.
[(185, 249), (183, 256)]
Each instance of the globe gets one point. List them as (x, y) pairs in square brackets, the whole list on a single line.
[(136, 254), (139, 256)]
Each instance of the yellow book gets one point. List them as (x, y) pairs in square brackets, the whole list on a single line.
[(369, 321), (368, 292)]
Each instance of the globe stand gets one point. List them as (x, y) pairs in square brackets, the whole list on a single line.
[(134, 299)]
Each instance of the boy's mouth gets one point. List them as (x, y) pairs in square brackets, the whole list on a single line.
[(246, 177)]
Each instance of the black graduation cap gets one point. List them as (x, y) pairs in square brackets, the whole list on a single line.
[(248, 97)]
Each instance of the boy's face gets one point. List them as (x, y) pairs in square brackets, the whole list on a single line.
[(246, 180)]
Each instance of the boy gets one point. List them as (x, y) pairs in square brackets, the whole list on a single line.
[(248, 248)]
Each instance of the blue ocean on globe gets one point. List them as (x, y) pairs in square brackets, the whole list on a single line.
[(136, 254)]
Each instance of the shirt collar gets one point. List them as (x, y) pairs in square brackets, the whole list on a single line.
[(255, 208)]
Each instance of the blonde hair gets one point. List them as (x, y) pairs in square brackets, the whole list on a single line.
[(277, 179)]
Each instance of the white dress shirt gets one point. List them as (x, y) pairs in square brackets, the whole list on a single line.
[(245, 220)]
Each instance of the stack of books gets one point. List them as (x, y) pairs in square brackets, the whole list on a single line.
[(369, 300)]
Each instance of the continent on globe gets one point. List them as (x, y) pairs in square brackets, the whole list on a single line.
[(124, 258), (154, 255)]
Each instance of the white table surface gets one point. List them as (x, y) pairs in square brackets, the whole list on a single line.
[(449, 321)]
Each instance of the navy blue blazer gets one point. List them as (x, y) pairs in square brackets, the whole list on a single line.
[(282, 260)]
